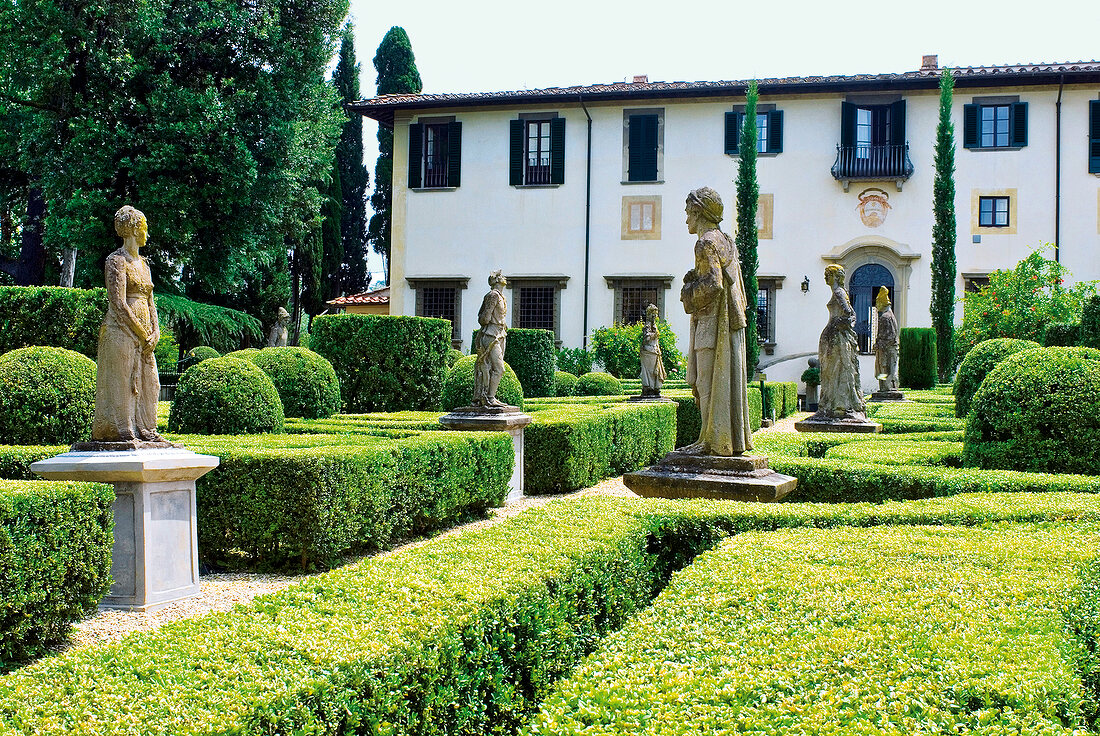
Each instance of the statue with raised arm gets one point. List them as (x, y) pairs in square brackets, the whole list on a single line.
[(714, 295), (491, 339), (127, 385), (887, 344)]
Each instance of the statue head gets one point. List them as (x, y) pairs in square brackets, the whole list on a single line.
[(282, 315), (130, 222), (834, 275), (651, 313), (496, 278), (706, 204), (882, 301)]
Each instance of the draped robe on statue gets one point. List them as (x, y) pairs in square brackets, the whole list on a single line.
[(714, 296)]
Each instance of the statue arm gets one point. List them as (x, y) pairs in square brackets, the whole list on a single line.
[(116, 295), (707, 282)]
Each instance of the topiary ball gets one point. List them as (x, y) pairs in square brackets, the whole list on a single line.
[(565, 384), (599, 384), (47, 396), (458, 386), (244, 354), (225, 396), (306, 382), (203, 352), (1038, 410), (978, 362)]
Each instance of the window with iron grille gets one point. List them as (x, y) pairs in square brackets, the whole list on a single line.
[(441, 298), (763, 314), (634, 293), (993, 212), (635, 299), (438, 301), (536, 308)]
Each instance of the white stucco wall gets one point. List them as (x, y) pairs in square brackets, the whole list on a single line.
[(486, 224)]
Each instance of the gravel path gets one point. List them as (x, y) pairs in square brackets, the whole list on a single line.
[(221, 591)]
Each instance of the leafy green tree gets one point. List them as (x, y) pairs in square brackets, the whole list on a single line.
[(397, 74), (942, 306), (748, 192), (353, 275), (213, 118)]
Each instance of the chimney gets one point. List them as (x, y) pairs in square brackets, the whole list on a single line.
[(929, 62), (641, 78)]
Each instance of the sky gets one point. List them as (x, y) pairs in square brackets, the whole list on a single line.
[(497, 45)]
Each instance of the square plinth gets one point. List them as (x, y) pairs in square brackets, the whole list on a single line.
[(841, 425), (499, 419), (683, 475), (888, 396)]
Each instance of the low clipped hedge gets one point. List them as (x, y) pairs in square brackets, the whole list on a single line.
[(463, 634), (226, 395), (458, 386), (532, 355), (385, 363), (51, 315), (306, 382), (899, 453), (571, 446), (598, 384), (1038, 410), (978, 362), (55, 557), (884, 631), (47, 395), (565, 384), (781, 398), (917, 357)]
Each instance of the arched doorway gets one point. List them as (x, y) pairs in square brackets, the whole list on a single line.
[(863, 285)]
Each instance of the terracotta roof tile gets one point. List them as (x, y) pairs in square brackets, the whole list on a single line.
[(374, 296)]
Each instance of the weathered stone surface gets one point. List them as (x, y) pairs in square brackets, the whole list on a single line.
[(643, 397), (649, 355), (491, 341), (686, 475), (814, 424), (889, 396), (838, 354), (126, 446)]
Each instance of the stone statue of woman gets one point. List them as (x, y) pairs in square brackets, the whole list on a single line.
[(653, 368), (838, 353), (887, 344), (714, 295), (491, 340), (127, 385)]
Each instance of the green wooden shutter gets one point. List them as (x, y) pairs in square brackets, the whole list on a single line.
[(1017, 122), (970, 126), (775, 131), (897, 123), (416, 154), (642, 157), (1094, 136), (733, 132), (454, 154), (557, 150), (847, 124), (515, 152)]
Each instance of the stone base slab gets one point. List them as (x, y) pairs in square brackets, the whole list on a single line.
[(683, 475), (124, 446), (839, 425), (889, 396), (474, 419), (657, 398)]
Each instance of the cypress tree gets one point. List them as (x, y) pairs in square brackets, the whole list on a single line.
[(942, 307), (397, 74), (748, 192), (351, 175)]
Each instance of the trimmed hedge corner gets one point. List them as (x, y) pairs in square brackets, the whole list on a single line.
[(978, 362), (225, 395), (385, 363), (917, 358), (47, 395), (532, 355), (306, 382), (55, 557), (458, 386)]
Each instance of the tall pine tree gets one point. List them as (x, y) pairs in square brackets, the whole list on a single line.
[(352, 275), (748, 192), (942, 307), (397, 74)]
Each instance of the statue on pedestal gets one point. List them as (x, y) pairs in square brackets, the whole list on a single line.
[(714, 295), (491, 339), (653, 368), (276, 337), (887, 345)]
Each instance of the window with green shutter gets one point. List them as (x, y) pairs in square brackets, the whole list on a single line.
[(435, 155), (536, 151), (995, 124), (769, 132), (1094, 136), (642, 148)]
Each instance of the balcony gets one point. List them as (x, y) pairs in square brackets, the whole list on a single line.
[(864, 162)]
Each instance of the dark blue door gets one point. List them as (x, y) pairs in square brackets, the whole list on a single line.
[(862, 287)]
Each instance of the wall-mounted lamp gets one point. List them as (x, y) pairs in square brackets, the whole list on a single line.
[(805, 284)]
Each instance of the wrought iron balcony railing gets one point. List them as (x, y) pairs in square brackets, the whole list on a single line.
[(867, 161)]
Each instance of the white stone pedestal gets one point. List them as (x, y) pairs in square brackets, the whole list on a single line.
[(512, 422), (155, 558)]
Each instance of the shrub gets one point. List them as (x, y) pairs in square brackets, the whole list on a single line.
[(167, 351), (1090, 322), (1062, 334), (201, 353), (978, 362), (225, 395), (47, 395), (577, 361), (453, 357), (385, 363), (458, 386), (56, 558), (306, 382), (245, 354), (599, 384), (1038, 410), (899, 452), (616, 348), (565, 384), (811, 376), (51, 315), (532, 356), (917, 357)]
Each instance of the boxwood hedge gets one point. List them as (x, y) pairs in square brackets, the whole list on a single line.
[(917, 357), (55, 560), (463, 634), (47, 394), (978, 363), (532, 355)]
